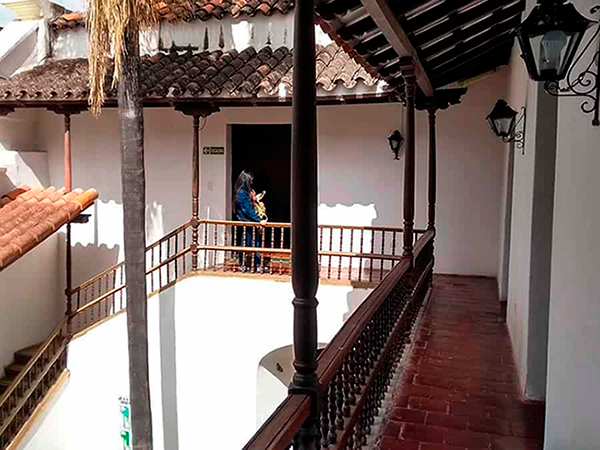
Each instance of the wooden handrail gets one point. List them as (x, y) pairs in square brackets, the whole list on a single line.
[(32, 387), (33, 360), (271, 435), (338, 348), (188, 224), (120, 288), (97, 277), (279, 429), (422, 242), (288, 225), (155, 244)]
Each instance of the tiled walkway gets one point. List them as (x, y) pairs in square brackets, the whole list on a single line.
[(460, 390)]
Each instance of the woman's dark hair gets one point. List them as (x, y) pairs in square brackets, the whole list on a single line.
[(244, 181)]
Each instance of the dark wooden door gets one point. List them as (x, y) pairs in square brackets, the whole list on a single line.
[(265, 150)]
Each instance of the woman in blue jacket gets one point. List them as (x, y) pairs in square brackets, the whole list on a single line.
[(245, 211)]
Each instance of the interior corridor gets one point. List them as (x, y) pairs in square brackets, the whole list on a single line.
[(460, 389)]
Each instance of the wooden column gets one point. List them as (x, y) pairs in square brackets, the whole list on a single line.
[(68, 181), (431, 193), (305, 275), (195, 191), (67, 112), (408, 72), (197, 111)]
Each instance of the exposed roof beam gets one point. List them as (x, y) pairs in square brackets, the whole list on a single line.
[(391, 29), (473, 58)]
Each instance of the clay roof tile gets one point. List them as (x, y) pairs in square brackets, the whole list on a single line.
[(28, 216)]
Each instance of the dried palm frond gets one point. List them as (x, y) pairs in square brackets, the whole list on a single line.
[(107, 22)]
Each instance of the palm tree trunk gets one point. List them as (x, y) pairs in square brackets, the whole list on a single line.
[(134, 203)]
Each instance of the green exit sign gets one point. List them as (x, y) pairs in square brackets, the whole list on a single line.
[(214, 150)]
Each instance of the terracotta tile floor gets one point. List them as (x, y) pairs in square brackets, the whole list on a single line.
[(460, 390)]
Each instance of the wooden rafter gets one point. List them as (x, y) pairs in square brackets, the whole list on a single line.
[(390, 27)]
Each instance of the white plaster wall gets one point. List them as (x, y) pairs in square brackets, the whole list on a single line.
[(18, 130), (359, 181), (469, 183), (219, 370), (573, 399), (522, 92), (226, 34), (30, 306), (30, 294), (223, 327), (269, 394), (86, 412), (516, 95)]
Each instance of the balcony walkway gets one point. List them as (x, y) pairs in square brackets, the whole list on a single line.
[(460, 389)]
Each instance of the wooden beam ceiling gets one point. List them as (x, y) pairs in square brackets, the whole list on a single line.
[(390, 27)]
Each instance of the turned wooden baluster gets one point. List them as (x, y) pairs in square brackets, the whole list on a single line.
[(351, 250), (345, 372), (272, 236), (176, 237), (281, 243), (352, 379), (243, 244), (382, 253), (360, 261), (330, 249), (325, 418), (252, 255), (332, 411), (320, 248), (216, 239), (371, 259), (339, 401), (263, 235), (341, 250)]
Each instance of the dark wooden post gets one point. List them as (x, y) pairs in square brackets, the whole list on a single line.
[(432, 111), (68, 187), (408, 72), (67, 112), (196, 111), (196, 191), (304, 218)]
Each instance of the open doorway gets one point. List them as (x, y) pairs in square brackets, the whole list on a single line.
[(265, 150)]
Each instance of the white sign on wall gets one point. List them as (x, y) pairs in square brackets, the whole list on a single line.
[(125, 411), (213, 150)]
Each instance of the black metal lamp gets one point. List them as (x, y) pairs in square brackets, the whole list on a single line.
[(550, 38), (502, 119), (503, 122), (396, 141)]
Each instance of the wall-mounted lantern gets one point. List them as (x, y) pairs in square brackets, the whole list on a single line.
[(550, 38), (396, 140), (503, 122)]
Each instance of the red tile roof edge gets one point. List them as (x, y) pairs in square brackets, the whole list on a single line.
[(191, 10), (29, 216)]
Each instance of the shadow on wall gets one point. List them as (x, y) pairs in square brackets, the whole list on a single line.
[(6, 184), (91, 259), (274, 375), (355, 297)]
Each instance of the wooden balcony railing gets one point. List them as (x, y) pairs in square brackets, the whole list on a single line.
[(20, 400), (345, 252), (356, 368), (350, 253), (103, 296), (363, 254)]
